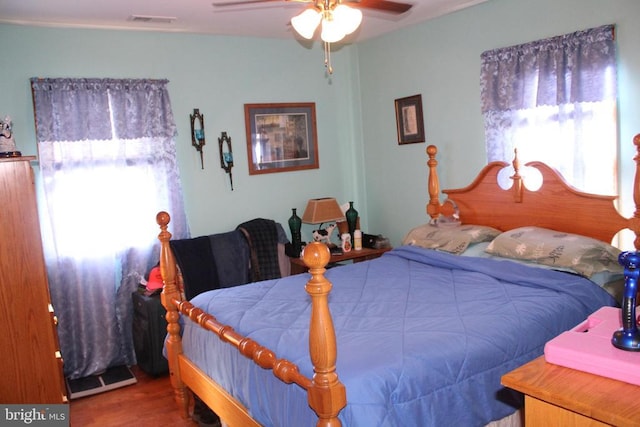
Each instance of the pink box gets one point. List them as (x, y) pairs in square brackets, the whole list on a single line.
[(588, 348)]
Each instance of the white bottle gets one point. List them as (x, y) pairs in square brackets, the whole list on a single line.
[(357, 240), (346, 242)]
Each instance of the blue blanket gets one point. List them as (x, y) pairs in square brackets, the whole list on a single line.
[(423, 336)]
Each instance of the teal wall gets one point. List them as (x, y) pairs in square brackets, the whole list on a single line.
[(360, 159), (218, 75), (441, 60)]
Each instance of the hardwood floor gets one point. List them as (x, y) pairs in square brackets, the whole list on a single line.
[(149, 402)]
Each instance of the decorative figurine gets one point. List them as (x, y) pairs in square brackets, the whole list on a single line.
[(628, 337), (323, 234), (7, 143)]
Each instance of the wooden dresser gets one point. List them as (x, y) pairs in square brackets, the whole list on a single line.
[(563, 397), (31, 364)]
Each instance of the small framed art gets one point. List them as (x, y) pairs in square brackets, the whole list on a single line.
[(281, 137), (409, 120)]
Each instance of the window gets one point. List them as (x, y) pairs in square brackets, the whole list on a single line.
[(101, 206), (108, 165), (554, 100)]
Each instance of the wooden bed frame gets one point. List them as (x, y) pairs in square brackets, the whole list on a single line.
[(555, 205)]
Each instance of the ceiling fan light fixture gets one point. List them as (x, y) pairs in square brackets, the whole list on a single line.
[(348, 18), (306, 23), (331, 30)]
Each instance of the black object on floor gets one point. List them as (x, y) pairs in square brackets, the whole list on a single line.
[(149, 331), (204, 416), (112, 378)]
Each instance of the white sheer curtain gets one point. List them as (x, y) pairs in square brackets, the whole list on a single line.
[(108, 165), (555, 101)]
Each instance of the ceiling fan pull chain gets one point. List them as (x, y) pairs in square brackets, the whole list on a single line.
[(327, 57)]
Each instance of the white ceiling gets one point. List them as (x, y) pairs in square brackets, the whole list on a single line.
[(201, 16)]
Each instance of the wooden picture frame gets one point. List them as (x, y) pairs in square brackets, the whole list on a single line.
[(409, 120), (281, 137)]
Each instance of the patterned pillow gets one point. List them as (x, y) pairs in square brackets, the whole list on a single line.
[(584, 255), (450, 239)]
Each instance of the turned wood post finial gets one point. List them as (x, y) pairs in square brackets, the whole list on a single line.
[(169, 295), (163, 218), (433, 207), (326, 395), (316, 255), (517, 178), (166, 257)]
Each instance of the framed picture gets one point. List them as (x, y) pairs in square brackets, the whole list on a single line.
[(281, 137), (409, 119)]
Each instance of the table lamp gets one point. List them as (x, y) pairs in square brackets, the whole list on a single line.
[(319, 211)]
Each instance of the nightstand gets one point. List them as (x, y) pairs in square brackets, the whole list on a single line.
[(298, 266), (559, 396)]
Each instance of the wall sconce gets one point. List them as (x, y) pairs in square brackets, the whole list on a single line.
[(197, 132), (226, 155)]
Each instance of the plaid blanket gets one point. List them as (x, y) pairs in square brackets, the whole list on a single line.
[(262, 237)]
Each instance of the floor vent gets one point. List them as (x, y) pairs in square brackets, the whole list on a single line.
[(112, 378)]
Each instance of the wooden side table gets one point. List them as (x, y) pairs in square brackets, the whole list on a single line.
[(559, 396), (298, 266)]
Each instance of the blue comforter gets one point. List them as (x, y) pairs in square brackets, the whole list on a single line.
[(423, 336)]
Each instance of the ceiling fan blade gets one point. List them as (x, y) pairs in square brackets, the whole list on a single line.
[(383, 5), (243, 2)]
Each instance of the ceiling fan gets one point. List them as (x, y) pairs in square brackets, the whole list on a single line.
[(383, 5), (338, 20)]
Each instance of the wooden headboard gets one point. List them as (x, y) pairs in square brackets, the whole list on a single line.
[(555, 205)]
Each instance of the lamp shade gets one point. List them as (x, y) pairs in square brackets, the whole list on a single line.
[(321, 210), (331, 30), (306, 23), (348, 18)]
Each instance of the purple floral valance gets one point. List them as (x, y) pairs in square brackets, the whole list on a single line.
[(554, 71), (101, 109)]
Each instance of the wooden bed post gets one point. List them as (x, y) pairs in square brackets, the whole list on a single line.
[(326, 395), (170, 294), (516, 178), (433, 207)]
